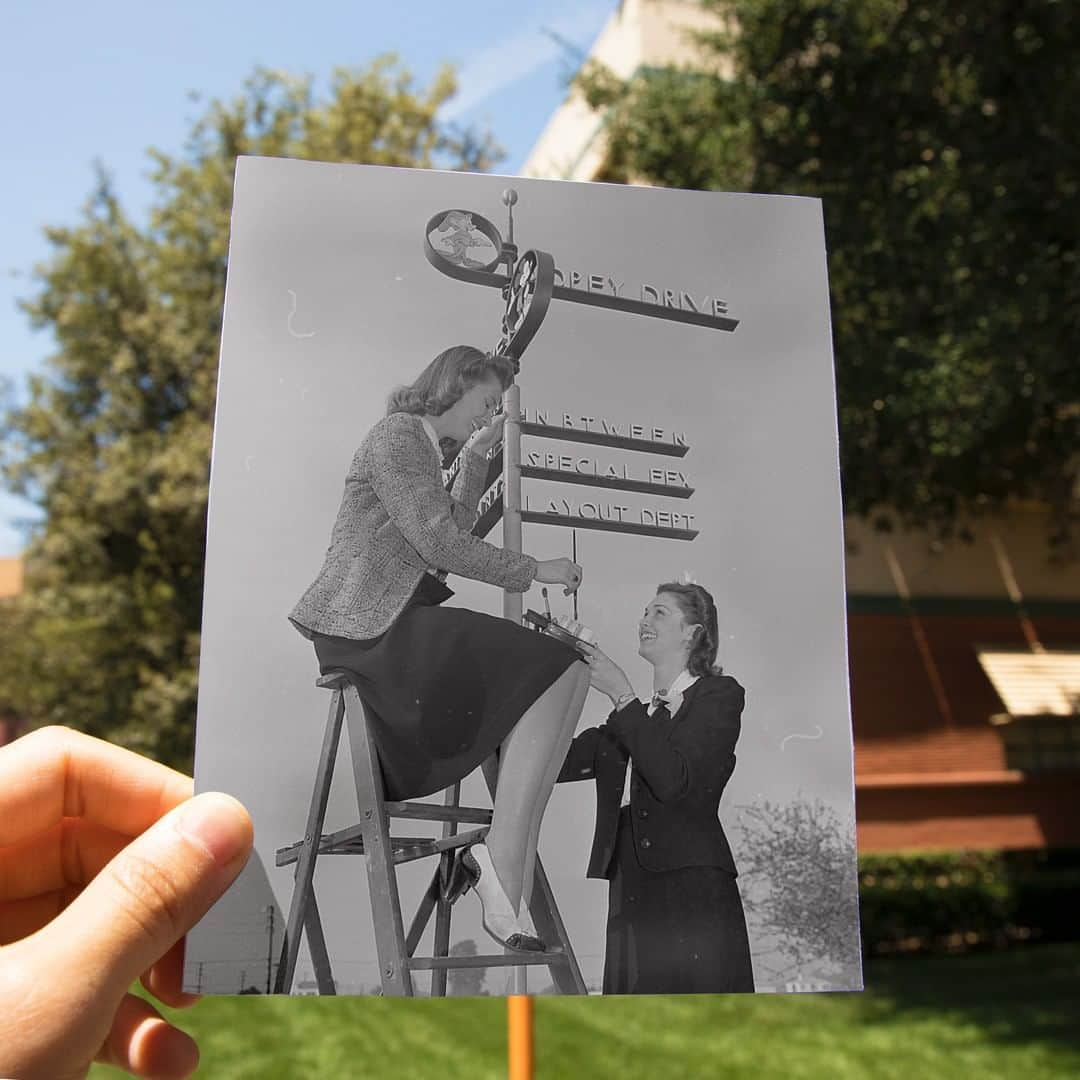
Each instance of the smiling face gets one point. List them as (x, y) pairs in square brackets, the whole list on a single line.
[(473, 410), (663, 632)]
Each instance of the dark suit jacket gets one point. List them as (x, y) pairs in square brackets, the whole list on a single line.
[(681, 766)]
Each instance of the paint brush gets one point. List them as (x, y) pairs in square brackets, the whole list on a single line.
[(573, 540)]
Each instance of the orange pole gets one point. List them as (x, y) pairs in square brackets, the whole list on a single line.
[(519, 1015)]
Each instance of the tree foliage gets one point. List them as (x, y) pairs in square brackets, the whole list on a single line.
[(113, 442), (799, 886), (465, 981), (937, 133)]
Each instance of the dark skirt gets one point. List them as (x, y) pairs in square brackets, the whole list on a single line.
[(675, 932), (443, 687)]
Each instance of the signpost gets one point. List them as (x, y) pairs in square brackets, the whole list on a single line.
[(465, 246)]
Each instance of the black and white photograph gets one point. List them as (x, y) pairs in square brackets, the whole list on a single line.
[(524, 627)]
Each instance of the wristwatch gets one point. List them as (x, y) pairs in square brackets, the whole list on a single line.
[(625, 700)]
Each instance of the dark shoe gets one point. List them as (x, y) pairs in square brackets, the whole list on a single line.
[(458, 879), (520, 942)]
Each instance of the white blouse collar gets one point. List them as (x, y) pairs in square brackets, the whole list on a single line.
[(679, 685)]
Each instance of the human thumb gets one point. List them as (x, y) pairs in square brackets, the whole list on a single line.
[(147, 897)]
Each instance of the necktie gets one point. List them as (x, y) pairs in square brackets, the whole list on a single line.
[(660, 701)]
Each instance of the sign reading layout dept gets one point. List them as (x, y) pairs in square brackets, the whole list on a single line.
[(630, 474)]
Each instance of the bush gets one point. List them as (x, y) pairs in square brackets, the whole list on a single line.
[(952, 901)]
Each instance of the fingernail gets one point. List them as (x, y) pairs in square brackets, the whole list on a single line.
[(218, 823)]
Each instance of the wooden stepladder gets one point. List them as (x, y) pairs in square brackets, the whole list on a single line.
[(372, 838)]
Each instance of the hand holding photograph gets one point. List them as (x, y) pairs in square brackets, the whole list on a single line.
[(448, 404)]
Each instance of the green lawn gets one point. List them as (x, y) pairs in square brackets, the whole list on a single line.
[(1011, 1014)]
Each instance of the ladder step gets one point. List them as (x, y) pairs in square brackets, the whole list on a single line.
[(350, 841), (433, 846), (466, 815), (434, 963)]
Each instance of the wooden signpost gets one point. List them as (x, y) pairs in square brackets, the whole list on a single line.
[(465, 246)]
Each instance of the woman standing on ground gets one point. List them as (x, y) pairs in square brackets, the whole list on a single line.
[(675, 918)]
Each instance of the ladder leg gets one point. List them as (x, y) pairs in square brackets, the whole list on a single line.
[(451, 797), (305, 865), (423, 915), (320, 958), (550, 926), (442, 946), (382, 883)]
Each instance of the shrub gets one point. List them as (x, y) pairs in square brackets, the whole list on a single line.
[(952, 901)]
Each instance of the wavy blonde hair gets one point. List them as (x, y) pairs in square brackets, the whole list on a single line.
[(447, 378)]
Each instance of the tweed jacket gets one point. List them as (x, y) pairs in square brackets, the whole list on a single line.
[(680, 768), (397, 521)]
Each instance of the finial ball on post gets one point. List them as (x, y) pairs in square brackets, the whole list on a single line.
[(509, 197)]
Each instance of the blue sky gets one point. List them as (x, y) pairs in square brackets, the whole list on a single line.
[(104, 81)]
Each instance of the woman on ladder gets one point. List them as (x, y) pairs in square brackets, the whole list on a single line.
[(445, 687)]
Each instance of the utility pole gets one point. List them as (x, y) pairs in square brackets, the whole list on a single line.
[(269, 945)]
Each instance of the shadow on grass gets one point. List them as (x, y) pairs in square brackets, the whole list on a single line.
[(997, 1016), (1019, 996)]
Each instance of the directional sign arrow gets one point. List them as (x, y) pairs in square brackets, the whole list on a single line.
[(491, 517), (603, 438), (460, 232), (613, 483)]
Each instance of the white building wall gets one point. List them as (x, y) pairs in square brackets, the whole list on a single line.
[(639, 33)]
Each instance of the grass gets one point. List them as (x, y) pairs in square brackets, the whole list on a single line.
[(1011, 1014)]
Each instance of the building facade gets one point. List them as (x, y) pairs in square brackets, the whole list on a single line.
[(11, 577), (639, 34), (965, 681)]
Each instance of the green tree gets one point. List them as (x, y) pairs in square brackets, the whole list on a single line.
[(465, 981), (114, 441), (938, 134), (799, 884)]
